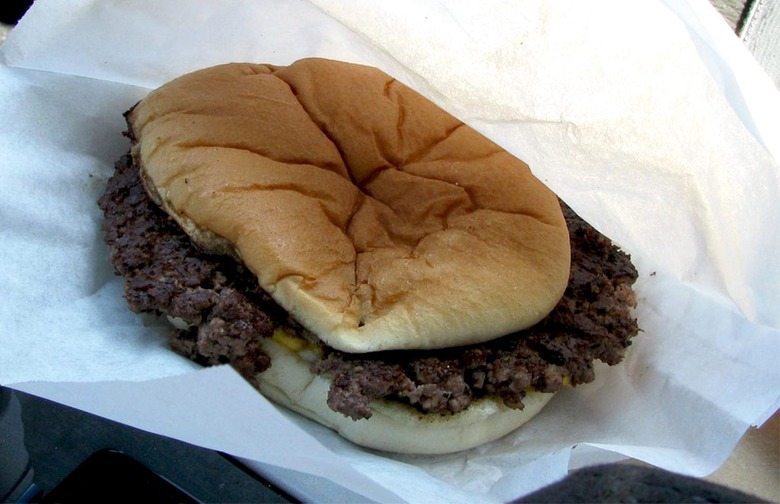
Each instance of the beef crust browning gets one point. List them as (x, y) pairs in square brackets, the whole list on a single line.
[(592, 321), (224, 314), (166, 274)]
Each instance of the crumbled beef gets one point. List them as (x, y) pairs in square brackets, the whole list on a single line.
[(165, 273), (592, 321), (227, 313)]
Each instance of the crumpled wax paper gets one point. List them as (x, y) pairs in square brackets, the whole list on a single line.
[(646, 117)]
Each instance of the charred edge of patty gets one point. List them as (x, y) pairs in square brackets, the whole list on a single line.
[(222, 313)]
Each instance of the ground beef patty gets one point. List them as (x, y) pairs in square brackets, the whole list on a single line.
[(221, 313)]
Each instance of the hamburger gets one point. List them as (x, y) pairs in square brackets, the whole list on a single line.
[(359, 255)]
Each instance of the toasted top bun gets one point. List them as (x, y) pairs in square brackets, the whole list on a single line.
[(375, 218)]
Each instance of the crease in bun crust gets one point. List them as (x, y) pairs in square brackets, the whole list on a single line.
[(359, 255), (376, 219)]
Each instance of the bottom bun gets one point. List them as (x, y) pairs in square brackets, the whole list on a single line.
[(393, 427)]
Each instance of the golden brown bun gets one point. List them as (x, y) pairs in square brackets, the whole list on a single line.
[(375, 218), (393, 427)]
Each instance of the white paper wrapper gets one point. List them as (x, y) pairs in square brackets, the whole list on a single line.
[(647, 118)]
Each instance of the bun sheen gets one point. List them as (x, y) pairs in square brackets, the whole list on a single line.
[(376, 219)]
